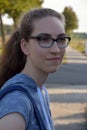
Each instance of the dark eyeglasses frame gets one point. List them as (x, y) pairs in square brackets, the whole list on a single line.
[(54, 40)]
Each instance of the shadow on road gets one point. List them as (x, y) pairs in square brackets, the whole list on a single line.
[(69, 98), (73, 116), (72, 126), (68, 104)]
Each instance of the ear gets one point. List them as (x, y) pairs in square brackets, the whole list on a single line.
[(24, 47)]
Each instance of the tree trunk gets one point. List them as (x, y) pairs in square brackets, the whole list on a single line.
[(15, 26), (2, 30)]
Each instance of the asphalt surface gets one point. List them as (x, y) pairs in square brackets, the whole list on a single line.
[(67, 89), (68, 106)]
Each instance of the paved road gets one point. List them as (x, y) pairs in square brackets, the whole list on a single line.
[(74, 72), (68, 93), (68, 103)]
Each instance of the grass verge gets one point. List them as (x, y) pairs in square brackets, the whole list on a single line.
[(78, 44)]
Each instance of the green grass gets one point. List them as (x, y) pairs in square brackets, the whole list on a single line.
[(0, 48), (78, 44), (64, 61)]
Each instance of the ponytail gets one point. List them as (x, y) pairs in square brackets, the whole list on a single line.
[(12, 60)]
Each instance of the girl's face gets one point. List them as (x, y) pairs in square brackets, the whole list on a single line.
[(41, 59)]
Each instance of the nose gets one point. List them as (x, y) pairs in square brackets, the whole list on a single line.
[(55, 48)]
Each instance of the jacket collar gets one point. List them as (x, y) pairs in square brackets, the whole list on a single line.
[(21, 79)]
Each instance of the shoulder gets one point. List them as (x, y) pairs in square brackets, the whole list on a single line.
[(16, 102)]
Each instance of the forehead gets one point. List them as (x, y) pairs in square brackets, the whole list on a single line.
[(50, 25)]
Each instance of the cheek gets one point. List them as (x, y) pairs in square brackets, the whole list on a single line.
[(37, 54)]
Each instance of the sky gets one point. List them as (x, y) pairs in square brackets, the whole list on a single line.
[(79, 7)]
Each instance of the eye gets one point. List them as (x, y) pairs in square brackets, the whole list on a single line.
[(63, 38), (44, 38)]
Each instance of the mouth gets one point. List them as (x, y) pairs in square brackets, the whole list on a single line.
[(53, 59)]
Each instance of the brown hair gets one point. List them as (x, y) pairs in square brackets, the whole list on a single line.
[(13, 60)]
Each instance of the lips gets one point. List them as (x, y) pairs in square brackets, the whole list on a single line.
[(53, 61), (55, 58)]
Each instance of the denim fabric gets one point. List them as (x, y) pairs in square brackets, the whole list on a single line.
[(19, 102)]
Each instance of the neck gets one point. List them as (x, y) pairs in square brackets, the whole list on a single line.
[(38, 76)]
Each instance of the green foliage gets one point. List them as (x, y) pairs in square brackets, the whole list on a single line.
[(71, 19), (14, 8), (78, 44), (3, 5)]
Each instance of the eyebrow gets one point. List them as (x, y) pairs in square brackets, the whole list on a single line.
[(59, 35), (44, 34), (63, 34)]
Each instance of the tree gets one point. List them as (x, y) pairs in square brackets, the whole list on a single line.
[(18, 7), (70, 19), (3, 4), (14, 8)]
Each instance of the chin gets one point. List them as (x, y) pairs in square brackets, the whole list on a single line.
[(53, 70)]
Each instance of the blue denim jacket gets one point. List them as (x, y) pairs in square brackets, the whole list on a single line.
[(18, 102)]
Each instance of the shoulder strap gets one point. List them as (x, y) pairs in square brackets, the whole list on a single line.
[(4, 91)]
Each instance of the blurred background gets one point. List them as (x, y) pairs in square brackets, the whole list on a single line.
[(74, 11)]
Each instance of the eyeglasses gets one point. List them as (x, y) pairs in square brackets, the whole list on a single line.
[(46, 41)]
